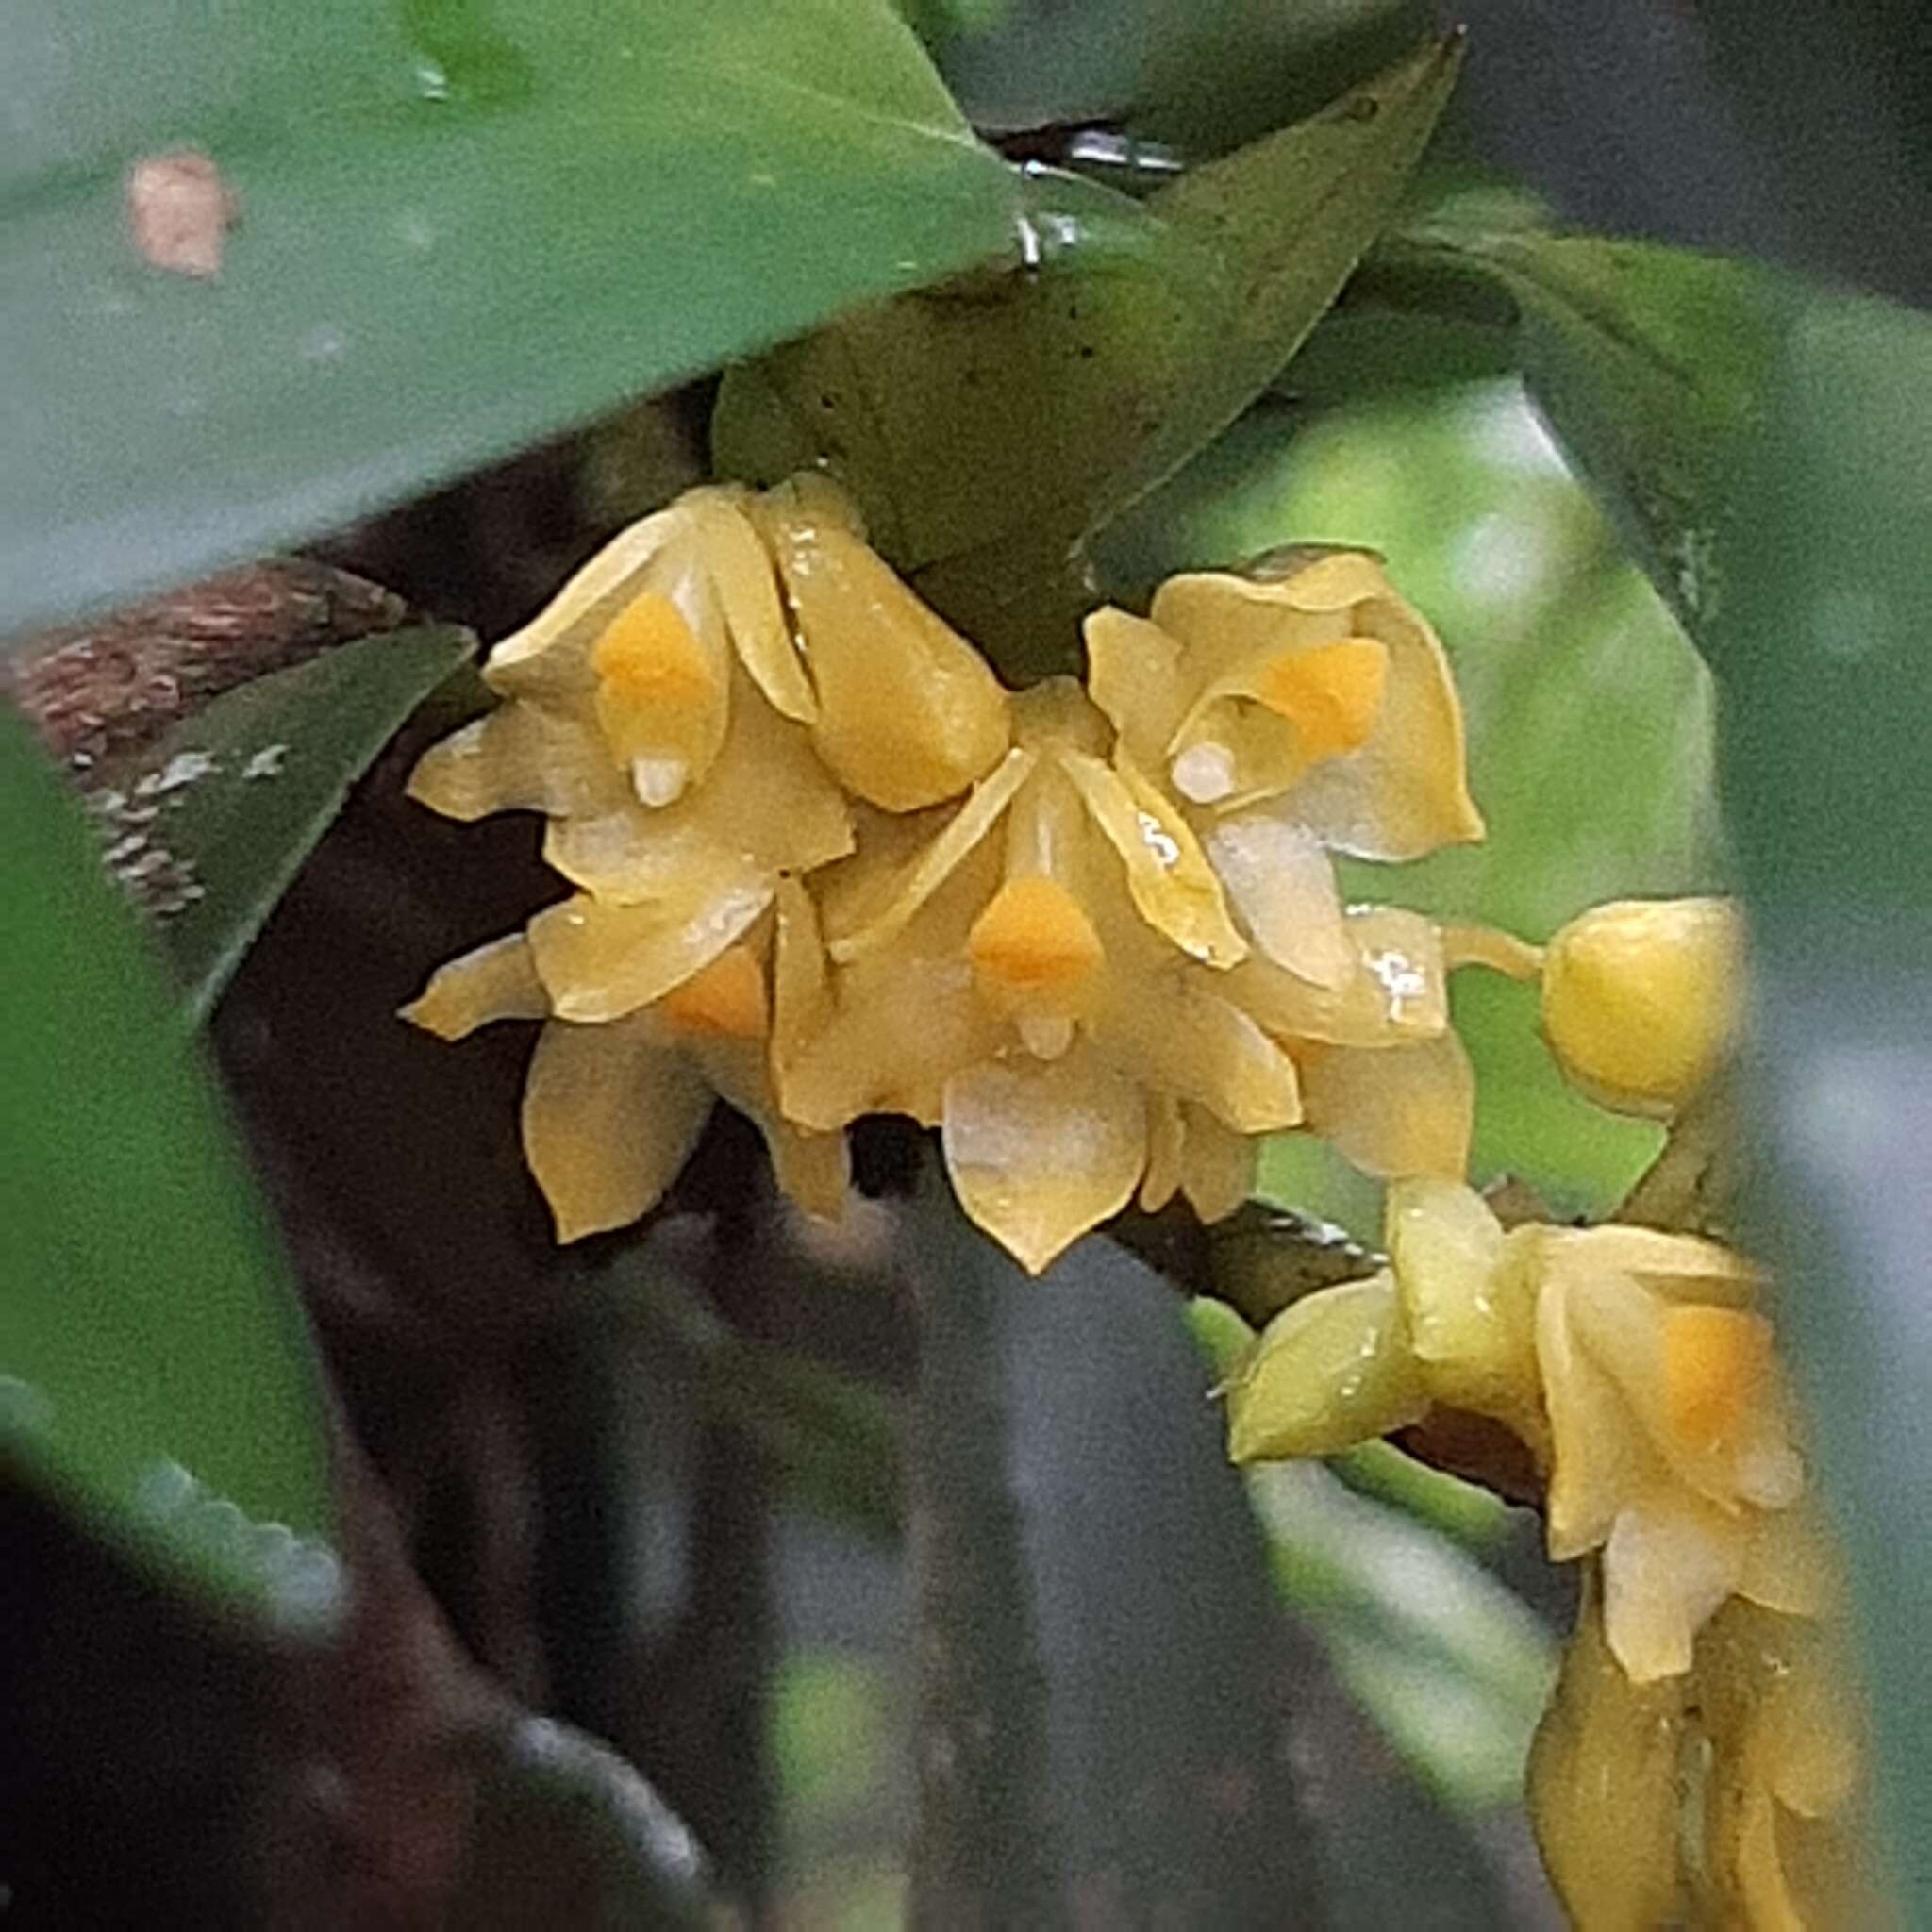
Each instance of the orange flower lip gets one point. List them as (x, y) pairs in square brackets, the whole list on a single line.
[(1033, 935), (1715, 1363)]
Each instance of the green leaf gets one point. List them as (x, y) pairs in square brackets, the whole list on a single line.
[(1828, 713), (1649, 362), (211, 824), (154, 1370), (461, 230), (989, 426), (1454, 1666)]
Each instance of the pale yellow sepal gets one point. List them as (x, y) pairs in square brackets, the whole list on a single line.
[(1392, 1111), (496, 981)]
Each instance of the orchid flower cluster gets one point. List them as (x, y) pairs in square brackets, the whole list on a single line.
[(822, 864)]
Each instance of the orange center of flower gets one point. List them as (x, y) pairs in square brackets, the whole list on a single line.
[(726, 999), (647, 657), (1033, 936), (1331, 694), (1715, 1362)]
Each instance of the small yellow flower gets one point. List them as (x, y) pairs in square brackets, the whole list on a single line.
[(612, 1110), (1306, 712), (1040, 973), (1630, 1361), (1641, 999)]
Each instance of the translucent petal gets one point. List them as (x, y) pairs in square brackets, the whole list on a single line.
[(801, 985), (1135, 675), (611, 1114), (747, 589), (1786, 1564), (1406, 792), (600, 961), (1394, 991), (1223, 620), (518, 757), (1168, 875), (1281, 883), (813, 1169), (938, 861), (497, 981), (1332, 1371), (549, 658), (908, 711), (1038, 1154), (1667, 1566), (1218, 1165), (1165, 1136), (1679, 1267), (1392, 1111)]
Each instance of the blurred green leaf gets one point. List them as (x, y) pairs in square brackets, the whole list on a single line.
[(1821, 658), (155, 1369), (989, 426), (211, 822), (1649, 362), (460, 231), (1454, 1666)]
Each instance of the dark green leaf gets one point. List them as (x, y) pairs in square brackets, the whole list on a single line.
[(154, 1370), (1827, 714), (1649, 362), (460, 230), (212, 821), (988, 428)]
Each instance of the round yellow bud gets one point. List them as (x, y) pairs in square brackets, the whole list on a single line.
[(1641, 999)]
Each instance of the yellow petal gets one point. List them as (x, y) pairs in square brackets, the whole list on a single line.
[(497, 981), (747, 589), (600, 961), (549, 658), (1134, 673), (1678, 1267), (937, 862), (1395, 989), (1332, 1371), (908, 711), (611, 1114), (1281, 883), (1218, 1165), (1224, 621), (1178, 1036), (1168, 875), (1599, 1455), (1392, 1111), (1319, 576), (1165, 1136), (518, 757), (1042, 1152), (1406, 792), (801, 986), (812, 1170), (1668, 1565)]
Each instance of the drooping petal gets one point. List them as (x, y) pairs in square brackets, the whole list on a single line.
[(1333, 1370), (1668, 1564), (908, 711), (1041, 1152), (496, 981), (1218, 1165), (1280, 882), (813, 1169), (902, 896), (747, 587), (518, 757), (600, 961), (1392, 1111), (1406, 792), (1135, 675), (1168, 875), (611, 1114), (1166, 1133), (800, 983)]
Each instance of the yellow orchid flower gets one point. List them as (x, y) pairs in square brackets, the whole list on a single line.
[(1301, 712), (1041, 973), (1630, 1361), (613, 1108)]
